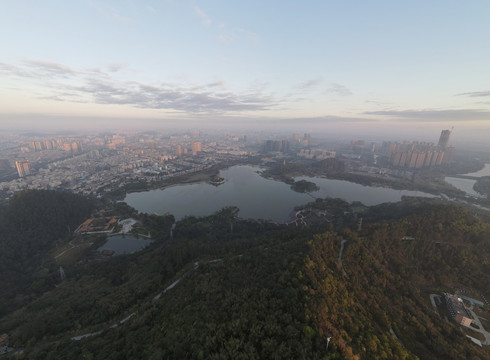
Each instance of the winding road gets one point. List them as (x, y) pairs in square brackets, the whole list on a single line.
[(342, 244), (158, 296)]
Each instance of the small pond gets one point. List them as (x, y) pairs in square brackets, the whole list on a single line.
[(124, 244)]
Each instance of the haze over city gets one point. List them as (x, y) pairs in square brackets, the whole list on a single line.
[(366, 67), (189, 179)]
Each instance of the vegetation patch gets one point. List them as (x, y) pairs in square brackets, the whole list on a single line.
[(224, 288), (303, 186)]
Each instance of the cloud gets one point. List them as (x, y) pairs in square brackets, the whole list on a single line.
[(109, 11), (226, 39), (50, 69), (227, 34), (377, 103), (115, 67), (437, 115), (62, 83), (206, 20), (230, 35), (338, 90), (327, 119), (249, 35), (207, 98), (121, 18), (12, 70), (309, 84), (220, 84), (475, 94)]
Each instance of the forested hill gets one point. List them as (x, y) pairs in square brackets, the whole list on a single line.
[(266, 292), (31, 223), (391, 269)]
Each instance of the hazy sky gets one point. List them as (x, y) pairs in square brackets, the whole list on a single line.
[(347, 63)]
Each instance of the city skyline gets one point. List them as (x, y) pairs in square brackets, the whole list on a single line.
[(371, 66)]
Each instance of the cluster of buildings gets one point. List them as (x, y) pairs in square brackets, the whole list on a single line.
[(71, 145), (305, 141), (23, 168), (276, 146), (68, 145), (97, 225), (286, 145), (96, 164), (419, 154), (360, 146), (457, 310), (111, 162), (180, 151), (316, 154)]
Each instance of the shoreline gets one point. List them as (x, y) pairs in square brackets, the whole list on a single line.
[(267, 171)]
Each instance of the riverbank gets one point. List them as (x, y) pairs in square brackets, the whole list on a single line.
[(202, 175), (418, 182), (423, 180)]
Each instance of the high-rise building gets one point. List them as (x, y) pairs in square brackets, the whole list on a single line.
[(440, 157), (428, 158), (448, 155), (75, 147), (420, 159), (405, 159), (196, 147), (178, 150), (48, 144), (276, 146), (284, 146), (306, 139), (23, 168), (395, 159), (413, 159), (444, 139), (357, 146)]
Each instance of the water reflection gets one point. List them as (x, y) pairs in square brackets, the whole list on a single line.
[(255, 196), (124, 244)]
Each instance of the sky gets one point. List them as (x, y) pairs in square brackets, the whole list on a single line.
[(399, 66)]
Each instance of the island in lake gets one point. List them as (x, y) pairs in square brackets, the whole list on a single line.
[(216, 180), (303, 186)]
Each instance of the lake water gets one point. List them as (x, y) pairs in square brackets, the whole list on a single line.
[(466, 185), (126, 244), (255, 196), (368, 195), (480, 173)]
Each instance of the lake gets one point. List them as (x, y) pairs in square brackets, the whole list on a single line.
[(480, 173), (126, 244), (466, 185), (255, 196)]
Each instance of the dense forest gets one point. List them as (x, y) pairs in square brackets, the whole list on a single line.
[(31, 224), (391, 268), (222, 288), (303, 186)]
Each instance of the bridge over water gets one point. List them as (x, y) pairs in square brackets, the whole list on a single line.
[(465, 177)]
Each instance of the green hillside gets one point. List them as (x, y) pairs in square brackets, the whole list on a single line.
[(31, 224), (260, 291)]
